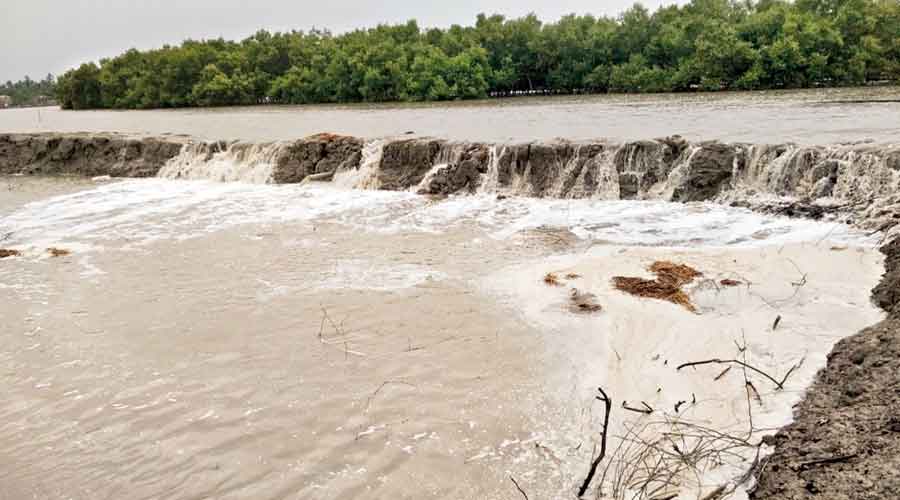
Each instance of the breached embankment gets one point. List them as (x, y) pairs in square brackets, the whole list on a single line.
[(857, 181), (845, 431)]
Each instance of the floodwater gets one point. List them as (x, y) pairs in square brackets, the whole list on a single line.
[(230, 340), (815, 116)]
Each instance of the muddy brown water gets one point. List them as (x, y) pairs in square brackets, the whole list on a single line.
[(208, 369), (813, 116), (308, 358)]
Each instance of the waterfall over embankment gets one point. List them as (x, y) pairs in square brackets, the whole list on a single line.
[(857, 179)]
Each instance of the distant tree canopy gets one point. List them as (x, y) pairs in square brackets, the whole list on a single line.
[(29, 92), (706, 44)]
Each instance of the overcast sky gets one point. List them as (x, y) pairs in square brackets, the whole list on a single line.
[(41, 36)]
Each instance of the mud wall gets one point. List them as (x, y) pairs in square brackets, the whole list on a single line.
[(861, 181), (85, 154)]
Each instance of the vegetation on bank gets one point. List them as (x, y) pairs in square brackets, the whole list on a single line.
[(706, 44), (28, 92)]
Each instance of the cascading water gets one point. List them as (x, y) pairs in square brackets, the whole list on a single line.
[(365, 176), (489, 179), (236, 162)]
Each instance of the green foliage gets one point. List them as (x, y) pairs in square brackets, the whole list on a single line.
[(28, 92), (706, 44)]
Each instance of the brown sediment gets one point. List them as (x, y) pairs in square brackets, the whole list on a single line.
[(670, 277), (8, 252)]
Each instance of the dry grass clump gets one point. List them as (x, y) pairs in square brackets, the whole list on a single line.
[(670, 277), (58, 252), (8, 252), (675, 274), (583, 302)]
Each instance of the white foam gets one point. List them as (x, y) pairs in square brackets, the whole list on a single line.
[(632, 348), (144, 210), (235, 163)]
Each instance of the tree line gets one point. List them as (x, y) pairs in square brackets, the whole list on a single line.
[(28, 92), (705, 44)]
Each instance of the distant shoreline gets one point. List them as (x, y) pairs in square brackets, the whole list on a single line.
[(698, 46)]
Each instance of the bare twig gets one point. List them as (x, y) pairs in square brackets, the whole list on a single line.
[(829, 460), (646, 410), (793, 368), (719, 376), (519, 487), (382, 386), (596, 463), (732, 361)]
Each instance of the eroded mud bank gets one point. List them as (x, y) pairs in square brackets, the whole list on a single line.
[(856, 181)]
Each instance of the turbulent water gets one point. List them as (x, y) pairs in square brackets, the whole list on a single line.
[(821, 116), (238, 340), (209, 332)]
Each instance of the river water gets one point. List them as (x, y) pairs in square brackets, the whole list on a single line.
[(235, 340), (817, 116), (232, 340)]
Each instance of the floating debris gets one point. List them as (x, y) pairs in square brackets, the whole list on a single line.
[(58, 252), (676, 274), (670, 277), (8, 252), (583, 302), (551, 279)]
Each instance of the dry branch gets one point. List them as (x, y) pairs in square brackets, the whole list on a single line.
[(518, 487), (607, 402), (778, 384), (646, 410)]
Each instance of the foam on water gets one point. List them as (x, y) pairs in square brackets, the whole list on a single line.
[(143, 210), (238, 162)]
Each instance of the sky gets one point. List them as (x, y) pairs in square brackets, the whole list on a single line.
[(51, 36)]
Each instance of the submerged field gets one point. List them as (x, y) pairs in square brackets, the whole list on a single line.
[(237, 340)]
